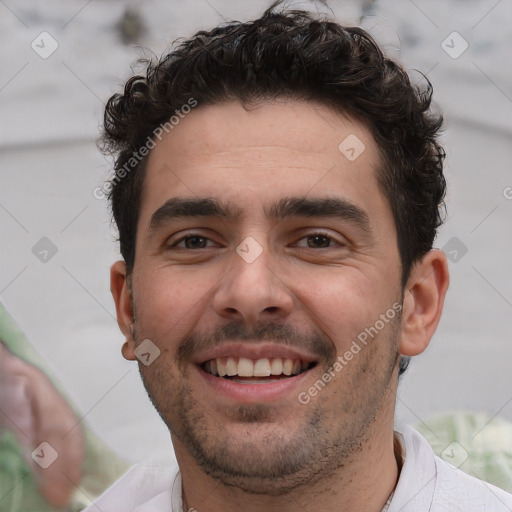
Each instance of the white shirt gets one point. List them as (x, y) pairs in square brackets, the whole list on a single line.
[(427, 483)]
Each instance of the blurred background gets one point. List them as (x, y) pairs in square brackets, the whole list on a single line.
[(61, 61)]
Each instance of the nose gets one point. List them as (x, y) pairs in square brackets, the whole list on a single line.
[(252, 291)]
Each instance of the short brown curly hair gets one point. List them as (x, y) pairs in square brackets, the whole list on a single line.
[(293, 54)]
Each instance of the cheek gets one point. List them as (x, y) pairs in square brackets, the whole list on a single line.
[(344, 304), (169, 302)]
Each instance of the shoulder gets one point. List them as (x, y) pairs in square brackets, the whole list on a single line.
[(429, 483), (146, 484), (458, 491)]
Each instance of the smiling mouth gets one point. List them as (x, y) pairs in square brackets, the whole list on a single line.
[(259, 371)]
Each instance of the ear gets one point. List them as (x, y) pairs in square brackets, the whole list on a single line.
[(423, 302), (120, 289)]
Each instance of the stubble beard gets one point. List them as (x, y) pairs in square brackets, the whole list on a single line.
[(268, 460)]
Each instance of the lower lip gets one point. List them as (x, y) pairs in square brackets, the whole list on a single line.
[(253, 392)]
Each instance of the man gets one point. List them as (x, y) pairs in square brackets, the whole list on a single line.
[(277, 193)]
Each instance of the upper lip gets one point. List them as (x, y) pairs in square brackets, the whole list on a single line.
[(256, 350)]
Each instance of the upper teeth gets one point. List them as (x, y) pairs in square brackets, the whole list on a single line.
[(244, 367)]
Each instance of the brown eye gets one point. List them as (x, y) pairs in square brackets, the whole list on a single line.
[(318, 241), (192, 242)]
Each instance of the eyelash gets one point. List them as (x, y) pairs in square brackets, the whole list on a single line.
[(322, 234), (186, 237)]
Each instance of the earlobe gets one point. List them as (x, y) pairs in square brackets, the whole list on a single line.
[(423, 302), (119, 286), (128, 350)]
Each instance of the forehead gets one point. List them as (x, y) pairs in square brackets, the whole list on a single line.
[(253, 156)]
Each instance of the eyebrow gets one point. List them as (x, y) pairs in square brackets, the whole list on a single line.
[(320, 207), (179, 207)]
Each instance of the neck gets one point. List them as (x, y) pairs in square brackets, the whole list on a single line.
[(361, 485)]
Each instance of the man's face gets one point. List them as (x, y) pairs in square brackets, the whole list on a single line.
[(262, 248)]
